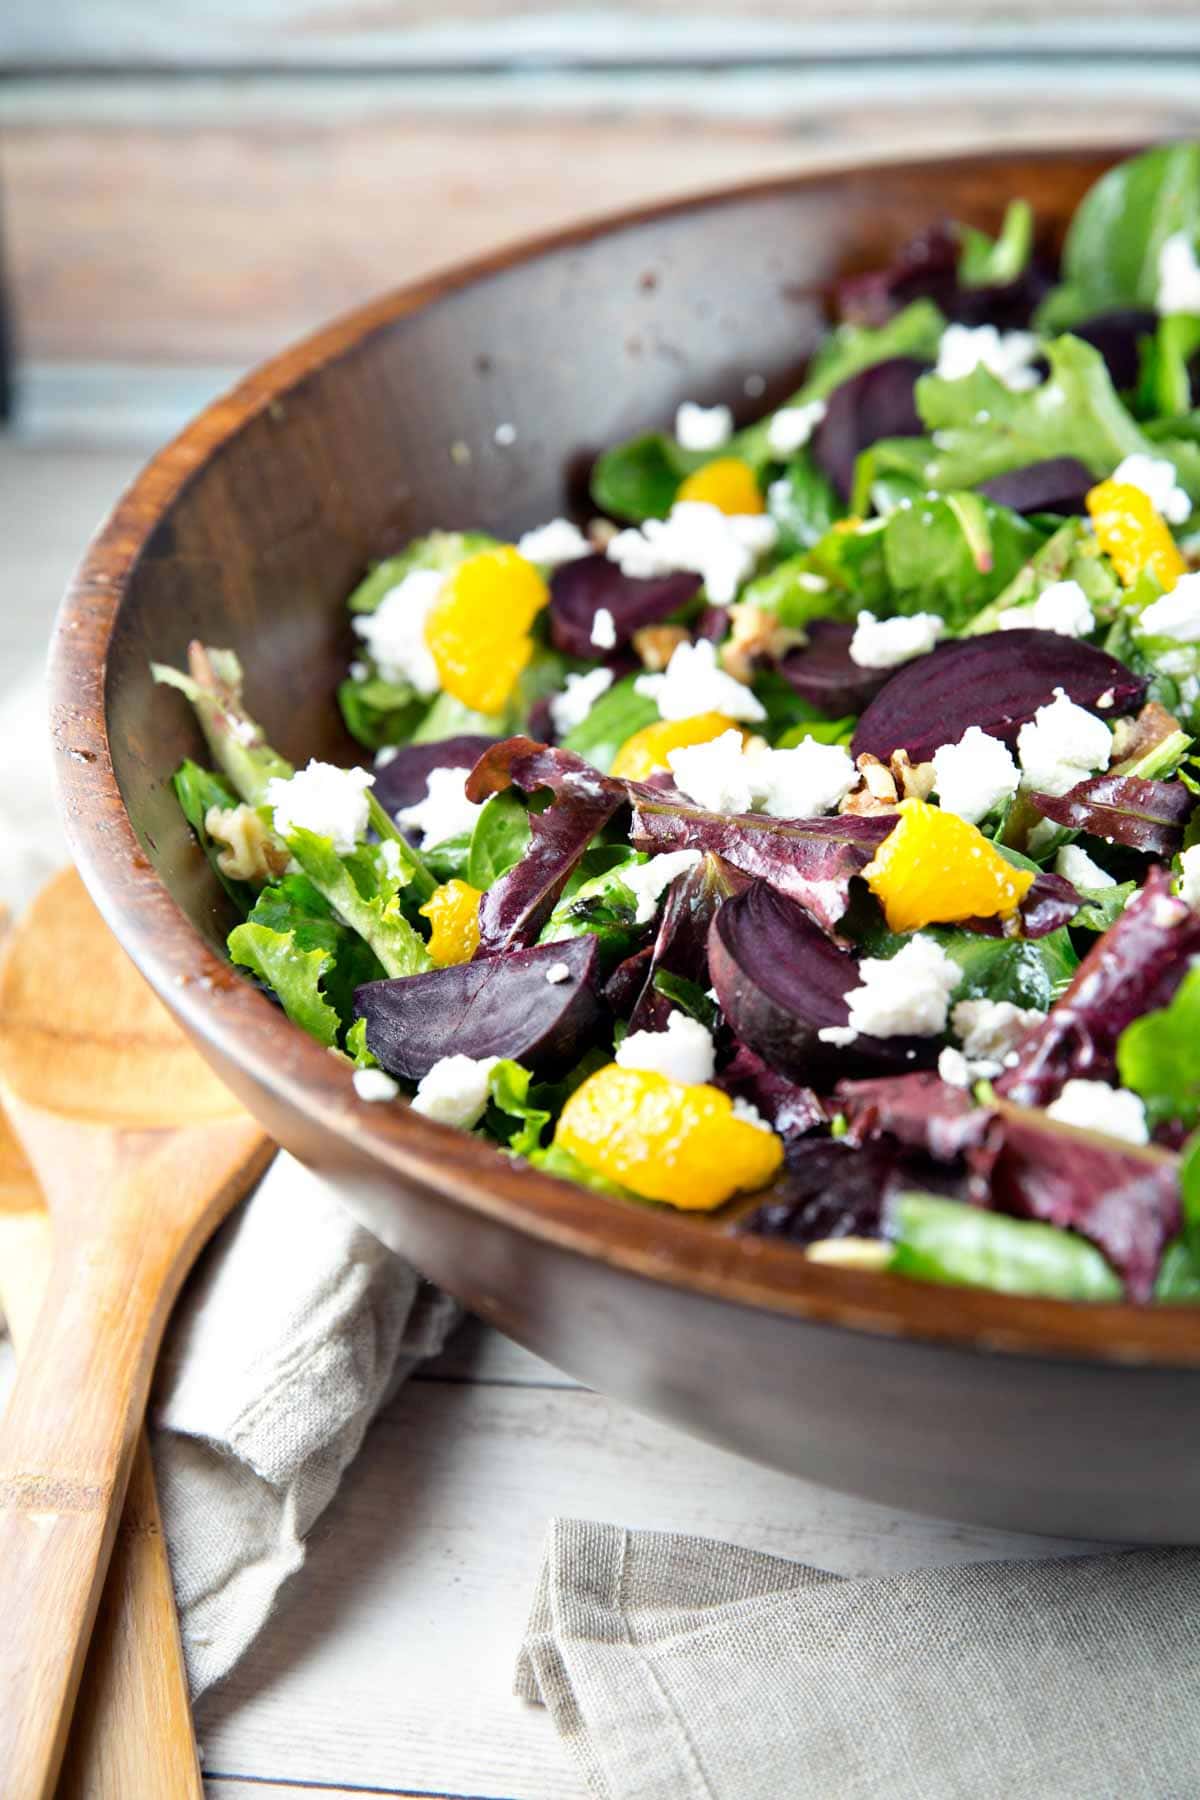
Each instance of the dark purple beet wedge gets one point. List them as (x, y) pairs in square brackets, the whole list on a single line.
[(496, 1006), (681, 942), (581, 589), (793, 1111), (1118, 337), (826, 675), (997, 681), (876, 403), (1058, 485)]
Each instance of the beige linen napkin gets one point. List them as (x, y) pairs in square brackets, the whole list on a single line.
[(294, 1330), (677, 1668)]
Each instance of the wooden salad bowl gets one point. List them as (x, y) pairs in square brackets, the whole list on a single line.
[(250, 530)]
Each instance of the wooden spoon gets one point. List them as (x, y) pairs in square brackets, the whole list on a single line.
[(140, 1153), (132, 1738)]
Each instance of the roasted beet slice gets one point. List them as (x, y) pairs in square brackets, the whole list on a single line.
[(1058, 485), (1123, 1198), (876, 403), (1126, 809), (781, 982), (812, 860), (926, 268), (580, 589), (402, 780), (996, 681), (1133, 968), (681, 942), (792, 1110), (825, 674), (1117, 336), (496, 1006)]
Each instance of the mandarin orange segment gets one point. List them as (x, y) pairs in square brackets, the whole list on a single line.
[(934, 868), (453, 914), (647, 750), (665, 1140), (478, 632), (728, 484), (1133, 534)]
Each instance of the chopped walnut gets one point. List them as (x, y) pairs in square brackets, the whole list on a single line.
[(863, 803), (756, 636), (655, 644), (914, 781), (601, 532), (248, 850), (1135, 738), (879, 779)]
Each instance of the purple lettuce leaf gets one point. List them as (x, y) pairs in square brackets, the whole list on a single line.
[(876, 403), (827, 1189), (1117, 336), (996, 681), (580, 589), (1124, 809), (1123, 1198), (812, 860), (623, 988), (495, 1006), (792, 1110), (781, 981), (515, 907), (681, 943), (1050, 903), (1135, 967), (926, 268), (920, 1111), (402, 781), (825, 675), (1060, 484)]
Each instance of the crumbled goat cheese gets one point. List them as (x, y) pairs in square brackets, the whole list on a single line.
[(840, 1036), (556, 542), (1158, 479), (792, 426), (750, 1115), (692, 683), (1061, 745), (991, 1028), (726, 776), (445, 812), (1095, 1106), (1176, 615), (604, 629), (1076, 866), (702, 427), (684, 1051), (1189, 877), (1008, 355), (648, 881), (906, 995), (572, 706), (1062, 607), (558, 972), (455, 1091), (389, 852), (387, 754), (329, 801), (975, 775), (721, 548), (395, 632), (715, 775), (1178, 276), (886, 643), (374, 1084), (954, 1068)]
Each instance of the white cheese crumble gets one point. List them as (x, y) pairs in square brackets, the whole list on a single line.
[(1008, 355), (556, 542), (1076, 866), (721, 548), (726, 776), (991, 1028), (358, 671), (1061, 745), (445, 812), (604, 629), (329, 801), (395, 632), (954, 1068), (572, 706), (886, 643), (648, 881), (387, 754), (1178, 276), (375, 1084), (557, 973), (389, 853), (1062, 607), (1176, 615), (455, 1091), (693, 682), (750, 1115), (792, 426), (1189, 877), (715, 775), (840, 1036), (683, 1052), (975, 775), (1095, 1106), (702, 427), (1158, 479), (906, 995)]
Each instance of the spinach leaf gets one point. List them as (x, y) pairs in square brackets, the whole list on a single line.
[(988, 262), (639, 480), (1178, 1282), (795, 594), (614, 718), (294, 905), (1165, 387), (499, 839), (1029, 972), (439, 550), (953, 553), (508, 1099), (1158, 1056), (1110, 257), (822, 731), (1102, 906), (1071, 553), (379, 712), (291, 973), (197, 791), (803, 503), (687, 995)]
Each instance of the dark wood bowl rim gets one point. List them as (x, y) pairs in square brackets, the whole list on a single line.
[(242, 1025)]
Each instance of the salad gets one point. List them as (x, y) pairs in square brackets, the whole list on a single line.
[(811, 837)]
